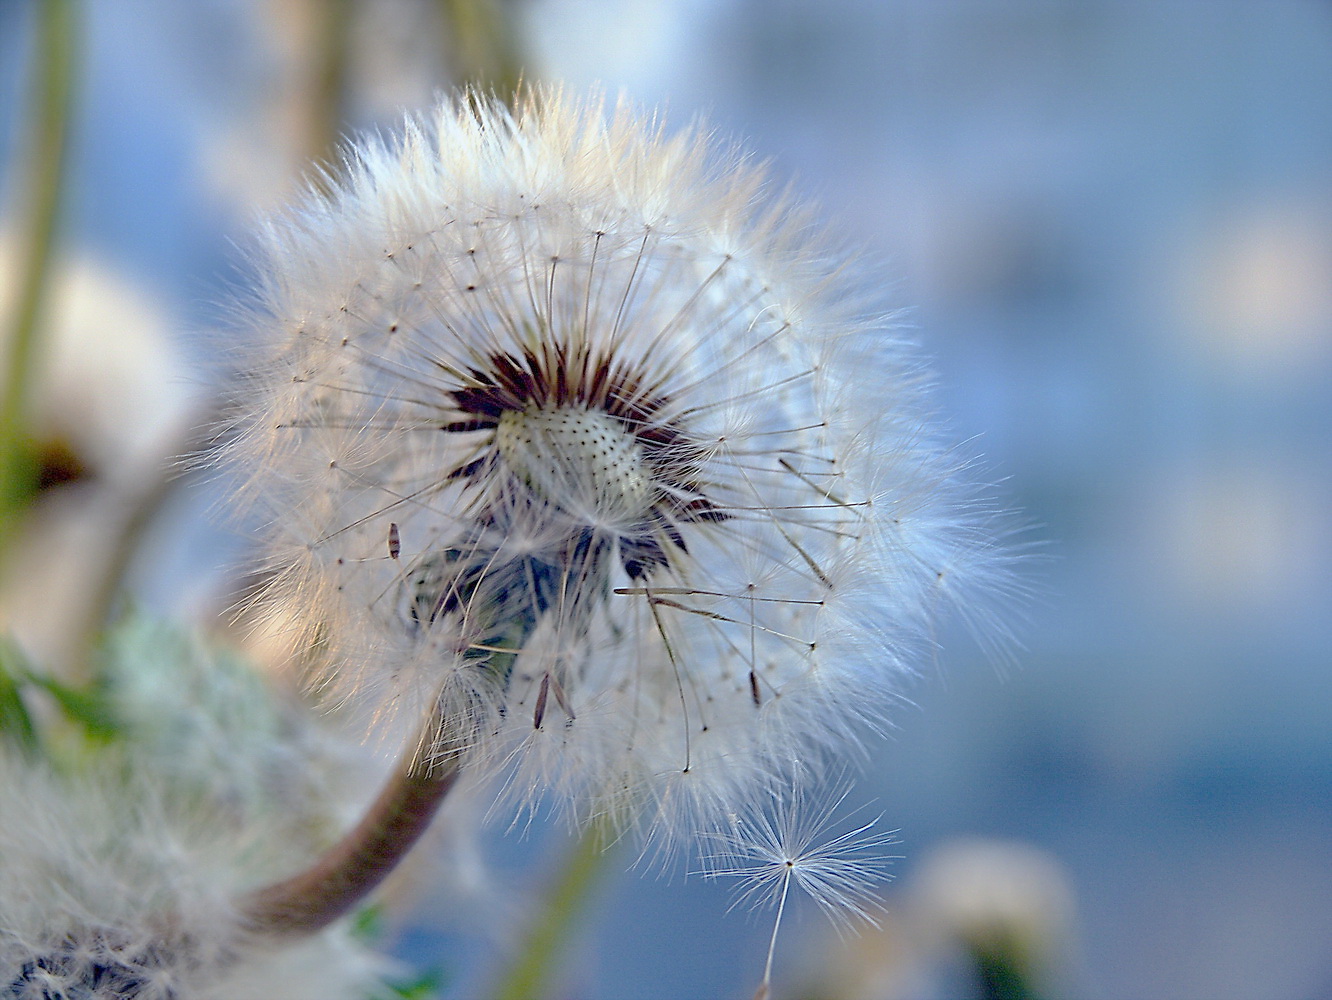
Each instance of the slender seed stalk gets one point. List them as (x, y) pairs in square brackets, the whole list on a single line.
[(53, 89), (765, 987), (350, 870)]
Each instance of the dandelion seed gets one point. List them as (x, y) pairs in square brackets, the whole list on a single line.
[(792, 845), (636, 444)]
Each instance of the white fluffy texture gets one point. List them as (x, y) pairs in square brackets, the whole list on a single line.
[(111, 892), (760, 596), (122, 870), (202, 718), (997, 898)]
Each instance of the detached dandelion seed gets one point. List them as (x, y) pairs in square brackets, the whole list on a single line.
[(659, 504), (793, 845)]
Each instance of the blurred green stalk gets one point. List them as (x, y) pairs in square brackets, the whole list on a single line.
[(1002, 975), (332, 60), (529, 976), (483, 47), (40, 194)]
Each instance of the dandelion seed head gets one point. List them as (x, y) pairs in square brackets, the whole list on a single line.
[(87, 883), (566, 424), (1000, 900), (119, 871)]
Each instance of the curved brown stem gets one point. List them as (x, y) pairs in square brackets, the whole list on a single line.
[(350, 870)]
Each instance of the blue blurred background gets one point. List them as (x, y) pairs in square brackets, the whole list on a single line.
[(1110, 222)]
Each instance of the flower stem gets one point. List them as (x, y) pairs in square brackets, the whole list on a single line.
[(107, 581), (483, 47), (53, 73), (328, 86), (350, 870), (527, 978)]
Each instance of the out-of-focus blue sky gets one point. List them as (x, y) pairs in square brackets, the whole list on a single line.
[(1111, 225)]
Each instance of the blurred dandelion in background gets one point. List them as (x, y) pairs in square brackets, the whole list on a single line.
[(127, 832)]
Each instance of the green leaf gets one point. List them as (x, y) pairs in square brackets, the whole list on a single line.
[(15, 721), (88, 706), (424, 987), (367, 924)]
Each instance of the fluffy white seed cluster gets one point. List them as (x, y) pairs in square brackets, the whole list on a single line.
[(119, 869), (112, 891), (561, 422)]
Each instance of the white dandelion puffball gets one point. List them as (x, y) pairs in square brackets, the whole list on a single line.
[(559, 422), (112, 892)]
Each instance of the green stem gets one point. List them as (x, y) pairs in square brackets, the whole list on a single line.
[(529, 977), (1002, 974), (108, 580), (332, 58), (53, 85), (482, 46)]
